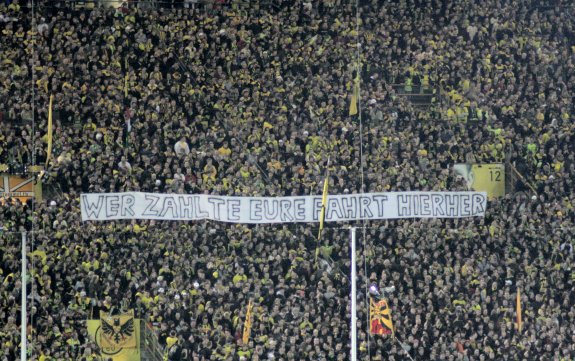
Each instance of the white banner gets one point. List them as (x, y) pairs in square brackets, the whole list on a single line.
[(349, 207)]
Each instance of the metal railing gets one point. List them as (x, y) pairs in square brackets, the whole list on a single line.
[(150, 348), (515, 175), (420, 96)]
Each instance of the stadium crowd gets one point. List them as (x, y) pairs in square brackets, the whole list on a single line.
[(222, 100)]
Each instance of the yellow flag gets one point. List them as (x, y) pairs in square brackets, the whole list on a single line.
[(354, 96), (126, 85), (38, 253), (248, 324), (116, 354), (117, 330), (49, 150), (322, 214), (323, 207), (519, 320)]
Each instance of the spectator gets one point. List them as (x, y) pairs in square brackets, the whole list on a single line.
[(124, 165), (181, 147), (268, 91)]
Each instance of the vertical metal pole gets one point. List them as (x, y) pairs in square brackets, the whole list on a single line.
[(353, 321), (23, 315)]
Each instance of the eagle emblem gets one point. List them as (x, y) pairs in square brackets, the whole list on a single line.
[(116, 331)]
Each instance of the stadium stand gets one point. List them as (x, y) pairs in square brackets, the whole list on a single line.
[(252, 98)]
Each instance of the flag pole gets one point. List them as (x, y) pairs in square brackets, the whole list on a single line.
[(23, 315), (353, 322), (323, 211), (518, 311)]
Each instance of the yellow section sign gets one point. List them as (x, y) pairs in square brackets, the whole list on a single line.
[(488, 178), (12, 186)]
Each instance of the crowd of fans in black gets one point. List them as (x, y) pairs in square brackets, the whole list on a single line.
[(224, 100)]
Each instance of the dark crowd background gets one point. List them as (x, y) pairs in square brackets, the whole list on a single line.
[(252, 99)]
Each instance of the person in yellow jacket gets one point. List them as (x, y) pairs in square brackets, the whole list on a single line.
[(171, 341)]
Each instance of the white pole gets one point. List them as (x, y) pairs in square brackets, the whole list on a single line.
[(353, 325), (23, 315)]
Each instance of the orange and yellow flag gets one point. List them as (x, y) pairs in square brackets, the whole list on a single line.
[(380, 322)]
